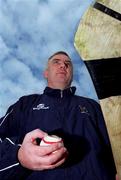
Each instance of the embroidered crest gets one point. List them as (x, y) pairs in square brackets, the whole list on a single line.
[(83, 109)]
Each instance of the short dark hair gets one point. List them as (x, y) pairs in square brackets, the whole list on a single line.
[(59, 52)]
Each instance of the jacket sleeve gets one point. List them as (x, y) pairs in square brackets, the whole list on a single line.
[(100, 134), (9, 144)]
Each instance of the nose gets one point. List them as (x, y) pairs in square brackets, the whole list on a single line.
[(62, 65)]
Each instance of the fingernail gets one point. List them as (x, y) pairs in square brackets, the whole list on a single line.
[(60, 145), (64, 149)]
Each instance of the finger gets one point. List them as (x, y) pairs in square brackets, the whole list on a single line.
[(52, 166), (46, 150), (54, 157), (42, 163), (58, 163)]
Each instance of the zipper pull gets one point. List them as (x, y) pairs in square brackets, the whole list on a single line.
[(61, 93)]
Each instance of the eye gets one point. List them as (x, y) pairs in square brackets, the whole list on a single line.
[(68, 63), (55, 61)]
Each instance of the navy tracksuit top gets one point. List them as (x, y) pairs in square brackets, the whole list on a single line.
[(78, 120)]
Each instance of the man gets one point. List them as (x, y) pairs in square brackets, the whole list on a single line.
[(86, 153)]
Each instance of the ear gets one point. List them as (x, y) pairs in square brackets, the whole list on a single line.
[(45, 74)]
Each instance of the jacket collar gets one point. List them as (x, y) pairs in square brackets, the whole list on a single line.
[(60, 93)]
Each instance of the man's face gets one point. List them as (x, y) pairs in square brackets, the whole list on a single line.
[(59, 72)]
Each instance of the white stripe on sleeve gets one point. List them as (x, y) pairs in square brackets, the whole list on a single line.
[(5, 117), (9, 167)]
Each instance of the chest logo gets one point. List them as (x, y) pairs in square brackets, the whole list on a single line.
[(40, 106), (83, 109)]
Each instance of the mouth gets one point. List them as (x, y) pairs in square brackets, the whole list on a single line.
[(62, 72)]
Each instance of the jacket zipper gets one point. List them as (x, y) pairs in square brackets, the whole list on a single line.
[(61, 93)]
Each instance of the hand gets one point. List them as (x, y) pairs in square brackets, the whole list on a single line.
[(117, 177), (36, 157)]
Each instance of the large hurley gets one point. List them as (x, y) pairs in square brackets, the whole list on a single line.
[(98, 41)]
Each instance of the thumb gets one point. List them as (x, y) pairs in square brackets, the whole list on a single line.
[(37, 133)]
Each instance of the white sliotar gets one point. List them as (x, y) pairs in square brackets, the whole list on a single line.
[(50, 139)]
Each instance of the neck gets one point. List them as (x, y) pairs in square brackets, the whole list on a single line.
[(58, 86)]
